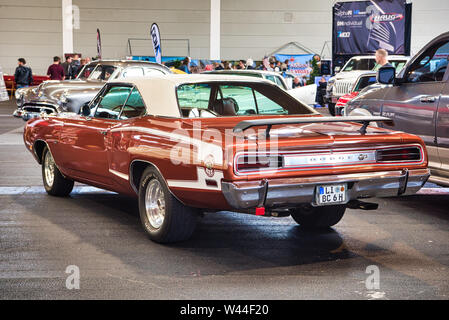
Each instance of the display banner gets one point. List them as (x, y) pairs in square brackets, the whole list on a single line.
[(98, 44), (3, 92), (299, 63), (156, 38), (362, 27)]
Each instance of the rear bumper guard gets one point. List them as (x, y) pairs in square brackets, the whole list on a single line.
[(290, 192)]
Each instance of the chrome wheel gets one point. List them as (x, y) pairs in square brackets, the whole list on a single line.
[(155, 203), (49, 169)]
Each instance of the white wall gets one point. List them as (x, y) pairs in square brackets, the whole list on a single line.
[(249, 28), (30, 29)]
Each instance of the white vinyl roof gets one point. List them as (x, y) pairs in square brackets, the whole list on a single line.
[(159, 92)]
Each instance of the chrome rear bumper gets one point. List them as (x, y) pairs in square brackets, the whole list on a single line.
[(290, 192)]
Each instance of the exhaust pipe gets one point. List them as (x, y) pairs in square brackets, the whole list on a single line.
[(357, 204)]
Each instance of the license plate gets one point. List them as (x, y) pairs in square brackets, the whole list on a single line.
[(331, 194)]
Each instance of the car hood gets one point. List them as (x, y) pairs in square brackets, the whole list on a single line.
[(53, 90)]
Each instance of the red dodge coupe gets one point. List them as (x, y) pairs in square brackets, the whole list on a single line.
[(183, 144)]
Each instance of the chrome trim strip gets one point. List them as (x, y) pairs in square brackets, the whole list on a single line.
[(240, 154)]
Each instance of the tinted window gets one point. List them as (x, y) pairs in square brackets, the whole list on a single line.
[(112, 102), (194, 95), (431, 66), (87, 70), (268, 106), (134, 106), (364, 82), (360, 64), (242, 96), (102, 72)]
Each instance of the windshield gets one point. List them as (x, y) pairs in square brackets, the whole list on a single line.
[(364, 82), (359, 64), (102, 72), (370, 64), (397, 64), (87, 70), (236, 99)]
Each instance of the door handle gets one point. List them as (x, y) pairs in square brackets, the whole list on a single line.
[(427, 99)]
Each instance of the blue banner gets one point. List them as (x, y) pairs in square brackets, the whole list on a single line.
[(156, 38), (299, 64)]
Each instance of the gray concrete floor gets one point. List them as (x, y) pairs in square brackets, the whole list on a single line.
[(230, 256)]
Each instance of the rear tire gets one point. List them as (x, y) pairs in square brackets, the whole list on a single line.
[(163, 217), (318, 217), (54, 182)]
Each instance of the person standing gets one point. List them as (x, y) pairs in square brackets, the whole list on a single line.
[(68, 68), (76, 62), (23, 77), (56, 71), (185, 65), (381, 57)]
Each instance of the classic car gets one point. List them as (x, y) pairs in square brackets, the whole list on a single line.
[(344, 80), (207, 143), (418, 102), (69, 95), (306, 94)]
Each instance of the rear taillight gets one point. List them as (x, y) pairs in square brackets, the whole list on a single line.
[(254, 163), (399, 155)]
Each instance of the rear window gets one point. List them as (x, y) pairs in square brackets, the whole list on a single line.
[(221, 99)]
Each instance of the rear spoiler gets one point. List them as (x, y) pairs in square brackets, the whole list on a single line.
[(246, 124)]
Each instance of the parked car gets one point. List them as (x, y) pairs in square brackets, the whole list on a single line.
[(361, 83), (69, 95), (186, 144), (306, 94), (343, 81), (418, 101)]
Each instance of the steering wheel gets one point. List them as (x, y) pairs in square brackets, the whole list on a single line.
[(441, 70)]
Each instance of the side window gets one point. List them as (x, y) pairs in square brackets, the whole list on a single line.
[(431, 66), (270, 77), (241, 97), (268, 106), (132, 72), (134, 106), (110, 105), (280, 83), (193, 96)]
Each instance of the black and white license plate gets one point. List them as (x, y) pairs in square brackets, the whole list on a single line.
[(331, 194)]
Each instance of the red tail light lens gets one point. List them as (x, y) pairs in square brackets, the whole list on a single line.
[(255, 163), (399, 155)]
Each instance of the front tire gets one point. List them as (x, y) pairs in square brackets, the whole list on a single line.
[(163, 217), (54, 182), (318, 217)]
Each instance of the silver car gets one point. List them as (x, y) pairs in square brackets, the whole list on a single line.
[(55, 96)]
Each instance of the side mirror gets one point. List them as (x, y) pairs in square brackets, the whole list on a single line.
[(337, 69), (85, 110), (386, 75)]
